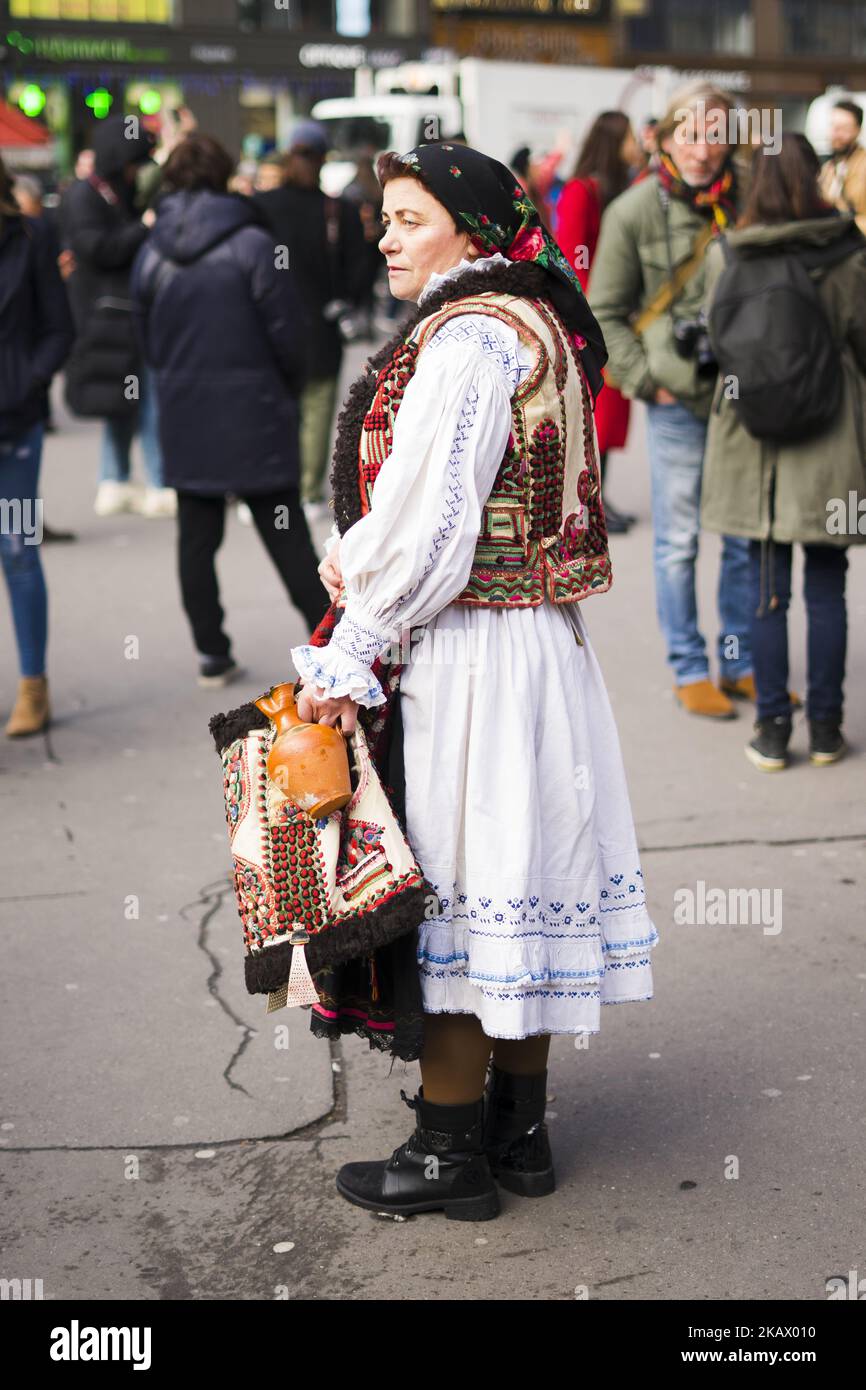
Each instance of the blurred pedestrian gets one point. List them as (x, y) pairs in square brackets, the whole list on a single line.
[(603, 171), (27, 191), (649, 137), (775, 489), (324, 240), (365, 192), (843, 176), (537, 174), (271, 172), (84, 162), (647, 293), (36, 332), (105, 376), (224, 332)]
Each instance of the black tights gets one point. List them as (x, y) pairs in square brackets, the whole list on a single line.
[(456, 1053)]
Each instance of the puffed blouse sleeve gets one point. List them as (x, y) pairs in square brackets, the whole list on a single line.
[(411, 554)]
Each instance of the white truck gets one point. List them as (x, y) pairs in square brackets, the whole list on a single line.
[(499, 107)]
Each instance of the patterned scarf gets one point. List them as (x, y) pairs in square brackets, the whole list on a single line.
[(487, 199), (718, 196)]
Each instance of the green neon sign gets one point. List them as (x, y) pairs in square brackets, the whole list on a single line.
[(99, 101), (32, 100)]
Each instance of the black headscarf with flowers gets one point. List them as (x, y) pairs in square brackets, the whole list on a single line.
[(486, 198)]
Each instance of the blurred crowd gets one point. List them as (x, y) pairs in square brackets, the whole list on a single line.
[(203, 307)]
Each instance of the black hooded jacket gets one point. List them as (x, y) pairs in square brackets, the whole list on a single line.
[(99, 224), (35, 323), (224, 329)]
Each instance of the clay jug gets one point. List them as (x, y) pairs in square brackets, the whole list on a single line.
[(308, 762)]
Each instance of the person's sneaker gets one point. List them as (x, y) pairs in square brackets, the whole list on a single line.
[(768, 750), (616, 523), (112, 498), (316, 511), (157, 502), (702, 697), (49, 534), (216, 671), (826, 744)]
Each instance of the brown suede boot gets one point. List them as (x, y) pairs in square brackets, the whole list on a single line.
[(31, 712), (744, 689), (702, 697)]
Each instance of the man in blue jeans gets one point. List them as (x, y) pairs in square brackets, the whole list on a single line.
[(656, 230)]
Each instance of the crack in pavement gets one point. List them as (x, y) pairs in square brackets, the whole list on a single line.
[(311, 1133), (34, 897), (210, 898), (770, 844)]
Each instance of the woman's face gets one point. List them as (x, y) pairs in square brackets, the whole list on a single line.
[(420, 238), (629, 150)]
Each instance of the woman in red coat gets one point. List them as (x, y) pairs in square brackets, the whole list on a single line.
[(604, 169)]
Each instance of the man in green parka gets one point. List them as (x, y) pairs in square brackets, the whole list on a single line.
[(658, 229)]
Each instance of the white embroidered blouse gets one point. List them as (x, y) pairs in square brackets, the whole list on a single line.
[(411, 555)]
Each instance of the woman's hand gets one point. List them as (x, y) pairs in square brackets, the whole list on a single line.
[(315, 711), (330, 573)]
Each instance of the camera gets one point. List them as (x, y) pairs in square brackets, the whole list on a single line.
[(339, 311), (691, 339)]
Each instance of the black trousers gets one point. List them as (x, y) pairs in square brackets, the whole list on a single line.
[(280, 521)]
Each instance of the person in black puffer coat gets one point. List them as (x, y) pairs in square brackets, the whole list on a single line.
[(225, 332), (35, 338), (100, 225), (324, 240)]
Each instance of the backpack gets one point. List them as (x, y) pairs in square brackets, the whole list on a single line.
[(769, 330)]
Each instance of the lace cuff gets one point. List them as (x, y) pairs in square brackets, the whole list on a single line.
[(343, 666)]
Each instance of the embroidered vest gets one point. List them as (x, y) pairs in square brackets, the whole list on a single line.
[(543, 532)]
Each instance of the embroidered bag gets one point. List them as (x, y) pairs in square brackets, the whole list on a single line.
[(311, 893)]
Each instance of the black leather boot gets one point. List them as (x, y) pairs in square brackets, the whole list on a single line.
[(442, 1166), (515, 1136)]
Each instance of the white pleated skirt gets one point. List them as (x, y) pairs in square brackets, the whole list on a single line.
[(517, 809)]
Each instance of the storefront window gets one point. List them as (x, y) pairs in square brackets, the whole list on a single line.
[(833, 26), (343, 18), (97, 11), (315, 16), (682, 26)]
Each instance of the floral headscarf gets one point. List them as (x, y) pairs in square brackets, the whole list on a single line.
[(486, 198)]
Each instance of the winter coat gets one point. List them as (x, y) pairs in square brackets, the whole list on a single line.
[(577, 225), (630, 266), (743, 477), (224, 330), (299, 219), (35, 323), (99, 224)]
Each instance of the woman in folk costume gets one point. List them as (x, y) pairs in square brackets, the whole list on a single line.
[(468, 509)]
